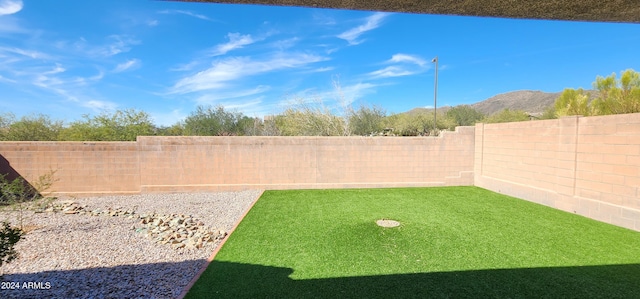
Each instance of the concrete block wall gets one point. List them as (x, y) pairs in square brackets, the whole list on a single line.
[(176, 164), (186, 164), (81, 168), (584, 165)]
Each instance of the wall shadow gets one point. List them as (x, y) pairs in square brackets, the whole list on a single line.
[(126, 281), (10, 175), (233, 280)]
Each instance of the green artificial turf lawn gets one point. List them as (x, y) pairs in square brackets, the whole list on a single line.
[(453, 242)]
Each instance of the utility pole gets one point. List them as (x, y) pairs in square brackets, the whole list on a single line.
[(435, 97)]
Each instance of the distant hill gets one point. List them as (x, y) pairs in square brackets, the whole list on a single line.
[(531, 101), (527, 100)]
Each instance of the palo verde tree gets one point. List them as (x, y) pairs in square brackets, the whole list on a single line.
[(617, 96), (573, 102)]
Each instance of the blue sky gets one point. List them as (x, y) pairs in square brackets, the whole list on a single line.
[(68, 58)]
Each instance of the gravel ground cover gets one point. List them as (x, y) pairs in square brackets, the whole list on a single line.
[(84, 256)]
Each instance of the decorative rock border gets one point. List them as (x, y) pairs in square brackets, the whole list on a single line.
[(177, 230)]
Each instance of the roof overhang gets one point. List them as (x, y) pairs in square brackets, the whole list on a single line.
[(627, 11)]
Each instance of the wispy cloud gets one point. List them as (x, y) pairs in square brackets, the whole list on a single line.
[(9, 7), (127, 65), (211, 98), (56, 80), (390, 71), (285, 43), (6, 51), (186, 66), (321, 69), (225, 71), (323, 19), (398, 58), (184, 12), (253, 107), (116, 44), (153, 23), (372, 22), (402, 65), (236, 41), (340, 96), (120, 44)]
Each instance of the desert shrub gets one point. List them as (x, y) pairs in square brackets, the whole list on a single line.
[(9, 236), (16, 193), (366, 120), (216, 121), (465, 115)]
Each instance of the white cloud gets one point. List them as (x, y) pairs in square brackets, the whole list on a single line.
[(390, 71), (322, 69), (285, 43), (243, 105), (403, 65), (122, 43), (185, 12), (372, 22), (208, 99), (340, 96), (398, 58), (224, 71), (186, 66), (100, 105), (236, 41), (127, 65), (9, 7), (116, 44), (152, 23), (22, 52)]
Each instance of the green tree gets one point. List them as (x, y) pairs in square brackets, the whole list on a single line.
[(176, 129), (572, 102), (549, 113), (618, 96), (6, 119), (122, 125), (210, 121), (507, 115), (366, 120), (464, 115), (33, 128)]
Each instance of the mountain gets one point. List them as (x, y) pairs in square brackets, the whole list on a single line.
[(527, 100), (531, 101)]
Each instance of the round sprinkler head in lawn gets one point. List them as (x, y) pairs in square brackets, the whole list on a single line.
[(387, 223)]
